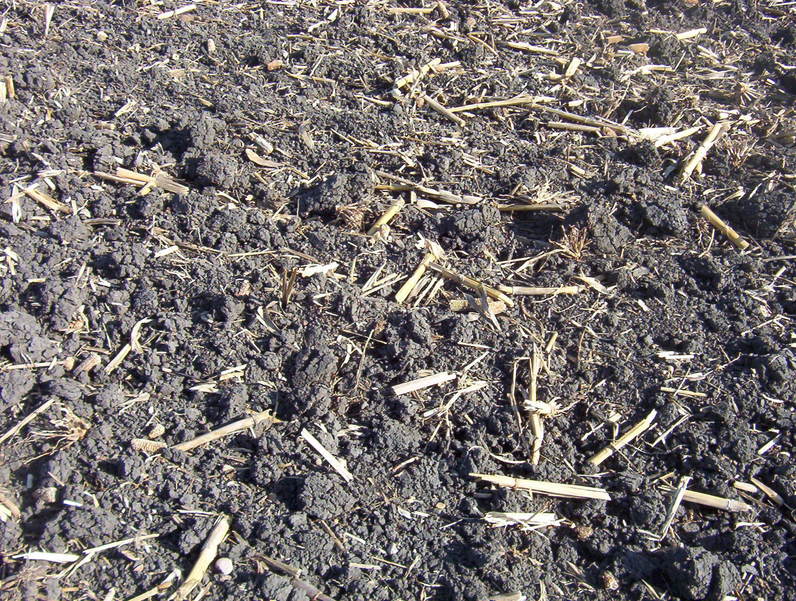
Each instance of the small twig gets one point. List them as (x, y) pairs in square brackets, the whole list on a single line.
[(623, 440), (701, 152), (385, 219), (443, 110), (421, 383), (471, 283), (206, 557), (537, 428), (701, 498), (722, 226), (25, 421), (241, 424), (677, 498), (531, 291), (552, 489), (338, 465), (293, 573)]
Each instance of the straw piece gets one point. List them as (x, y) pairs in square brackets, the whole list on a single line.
[(768, 491), (117, 360), (338, 465), (241, 424), (46, 200), (9, 507), (12, 431), (471, 283), (46, 556), (421, 383), (443, 110), (701, 152), (516, 101), (537, 428), (539, 518), (531, 291), (722, 226), (623, 440), (675, 504), (206, 557), (385, 219), (702, 498), (553, 489)]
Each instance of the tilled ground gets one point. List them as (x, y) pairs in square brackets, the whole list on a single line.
[(184, 233)]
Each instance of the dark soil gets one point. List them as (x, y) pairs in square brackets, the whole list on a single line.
[(235, 327)]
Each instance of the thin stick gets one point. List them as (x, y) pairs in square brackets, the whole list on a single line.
[(385, 219), (701, 498), (421, 383), (552, 489), (768, 491), (471, 283), (25, 421), (722, 226), (46, 200), (117, 360), (338, 465), (681, 392), (701, 152), (521, 207), (500, 518), (433, 193), (241, 424), (624, 440), (206, 557), (531, 291), (409, 285), (479, 106), (46, 556), (676, 500), (443, 110), (537, 428)]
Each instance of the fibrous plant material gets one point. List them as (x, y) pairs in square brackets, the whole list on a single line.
[(434, 252), (471, 283), (404, 184), (677, 498), (146, 182), (421, 383), (537, 428), (552, 489), (206, 557), (387, 216), (47, 556), (12, 431), (532, 291), (538, 519), (294, 574), (338, 465), (8, 509), (723, 228), (701, 152), (624, 440), (701, 498), (46, 200), (768, 491), (241, 424)]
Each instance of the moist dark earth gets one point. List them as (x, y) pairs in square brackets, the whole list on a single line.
[(218, 295)]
